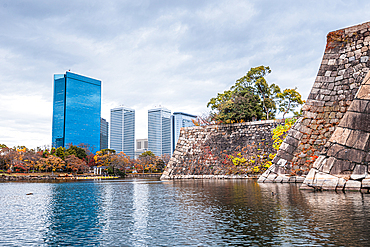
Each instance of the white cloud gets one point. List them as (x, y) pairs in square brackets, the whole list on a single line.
[(26, 120), (176, 53)]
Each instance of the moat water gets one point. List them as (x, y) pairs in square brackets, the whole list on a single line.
[(149, 212)]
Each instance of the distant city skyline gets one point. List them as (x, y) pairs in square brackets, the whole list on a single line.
[(175, 53)]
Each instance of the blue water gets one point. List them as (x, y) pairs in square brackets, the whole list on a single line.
[(136, 212)]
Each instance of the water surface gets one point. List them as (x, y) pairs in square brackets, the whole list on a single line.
[(147, 212)]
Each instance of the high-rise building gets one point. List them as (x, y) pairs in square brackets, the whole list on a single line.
[(159, 131), (180, 120), (141, 146), (122, 130), (76, 111), (104, 126)]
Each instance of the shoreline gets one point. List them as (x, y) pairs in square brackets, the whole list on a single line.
[(56, 177)]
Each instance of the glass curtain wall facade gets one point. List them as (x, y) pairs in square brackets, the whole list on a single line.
[(122, 130), (180, 120), (104, 126), (76, 111), (159, 131)]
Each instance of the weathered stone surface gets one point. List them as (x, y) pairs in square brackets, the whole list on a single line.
[(355, 120), (270, 179), (352, 185), (365, 183), (358, 139), (291, 141), (341, 184), (278, 179), (330, 183), (337, 134), (336, 117), (282, 162), (323, 179), (364, 92), (327, 165), (335, 149), (359, 173), (319, 162), (341, 167), (351, 154), (359, 106), (201, 151), (309, 181)]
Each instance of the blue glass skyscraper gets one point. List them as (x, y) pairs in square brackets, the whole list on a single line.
[(76, 111), (159, 131), (180, 120)]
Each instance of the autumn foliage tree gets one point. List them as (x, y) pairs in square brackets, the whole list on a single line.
[(75, 164), (252, 97)]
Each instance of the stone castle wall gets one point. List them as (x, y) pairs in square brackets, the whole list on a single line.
[(344, 162), (343, 68), (201, 151)]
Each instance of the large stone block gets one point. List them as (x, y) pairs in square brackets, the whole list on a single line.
[(337, 134), (352, 185), (365, 183), (319, 162), (325, 181), (351, 154), (343, 137), (309, 181), (334, 150), (359, 106), (284, 155), (291, 141), (364, 92), (288, 148), (358, 139), (327, 165), (330, 183), (341, 167), (359, 173), (278, 179), (270, 178), (354, 120)]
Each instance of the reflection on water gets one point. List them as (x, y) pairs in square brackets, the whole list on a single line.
[(75, 214), (169, 213), (140, 213)]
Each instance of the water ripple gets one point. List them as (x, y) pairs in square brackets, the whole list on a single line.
[(136, 212)]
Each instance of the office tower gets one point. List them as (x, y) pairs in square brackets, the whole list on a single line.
[(122, 130), (104, 126), (141, 146), (76, 111), (159, 131), (180, 120)]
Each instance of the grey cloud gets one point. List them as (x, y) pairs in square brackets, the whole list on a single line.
[(178, 53)]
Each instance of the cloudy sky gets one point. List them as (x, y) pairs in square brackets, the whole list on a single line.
[(177, 54)]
